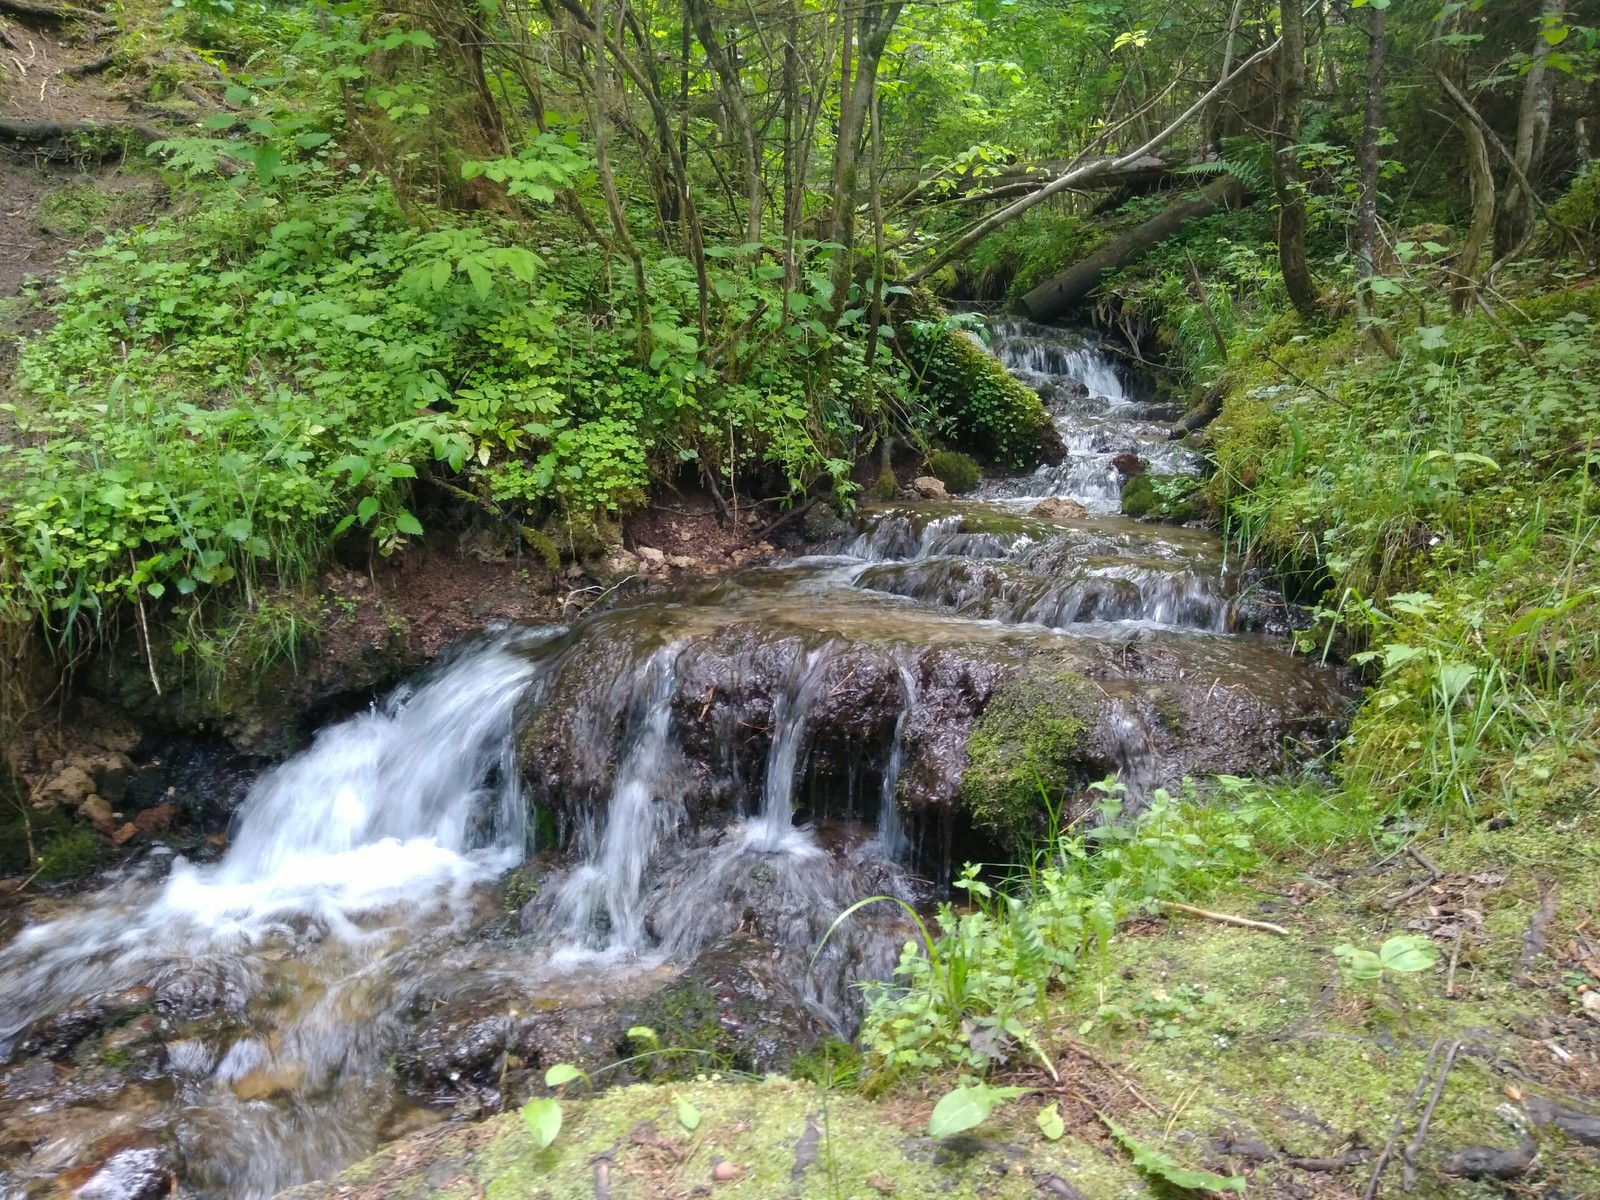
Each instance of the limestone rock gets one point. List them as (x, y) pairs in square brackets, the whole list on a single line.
[(683, 562), (929, 488), (652, 558), (98, 813), (1058, 508), (71, 787)]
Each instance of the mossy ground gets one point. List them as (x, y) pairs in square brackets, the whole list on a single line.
[(1202, 1040)]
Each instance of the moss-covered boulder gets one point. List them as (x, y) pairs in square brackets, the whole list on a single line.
[(1161, 497), (958, 472), (1028, 747), (777, 1138)]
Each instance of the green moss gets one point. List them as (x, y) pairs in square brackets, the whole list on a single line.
[(1159, 496), (958, 472), (1026, 746), (976, 402), (886, 484), (858, 1151), (1138, 496), (72, 210)]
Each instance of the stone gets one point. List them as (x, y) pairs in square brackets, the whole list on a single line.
[(1058, 508), (621, 563), (137, 1173), (158, 817), (652, 558), (929, 488), (125, 833), (71, 787), (98, 813), (1128, 464), (682, 562)]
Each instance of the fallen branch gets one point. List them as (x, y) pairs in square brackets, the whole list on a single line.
[(1400, 1121), (1533, 940), (1223, 918), (44, 12), (1063, 182), (1455, 960), (1395, 902), (1408, 1176)]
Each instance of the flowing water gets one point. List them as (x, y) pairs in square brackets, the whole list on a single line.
[(718, 771)]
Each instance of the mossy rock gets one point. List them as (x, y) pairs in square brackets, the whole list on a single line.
[(783, 1138), (1141, 497), (886, 484), (958, 472), (1027, 745)]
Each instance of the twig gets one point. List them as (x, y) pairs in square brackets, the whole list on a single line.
[(1408, 1176), (90, 68), (1084, 1052), (1450, 975), (1224, 918), (1400, 1121), (1424, 862), (1533, 940), (1395, 902)]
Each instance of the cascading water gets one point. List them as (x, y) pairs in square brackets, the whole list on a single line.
[(727, 768)]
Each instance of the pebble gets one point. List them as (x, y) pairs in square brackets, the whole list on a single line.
[(726, 1172)]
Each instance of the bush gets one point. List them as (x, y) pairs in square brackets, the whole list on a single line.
[(958, 472)]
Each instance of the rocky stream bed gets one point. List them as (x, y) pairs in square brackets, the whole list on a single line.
[(650, 816)]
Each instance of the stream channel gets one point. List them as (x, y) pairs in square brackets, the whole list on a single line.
[(558, 832)]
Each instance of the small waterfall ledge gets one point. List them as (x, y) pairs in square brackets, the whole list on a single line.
[(686, 791)]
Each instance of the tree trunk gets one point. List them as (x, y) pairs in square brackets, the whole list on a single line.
[(1055, 296), (1372, 125), (1286, 166), (727, 72), (857, 89), (1465, 286), (1533, 124)]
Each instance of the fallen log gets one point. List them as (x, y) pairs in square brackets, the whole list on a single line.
[(44, 133), (1107, 171), (46, 12), (1055, 296)]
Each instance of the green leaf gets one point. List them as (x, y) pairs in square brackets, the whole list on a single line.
[(439, 274), (561, 1073), (643, 1033), (968, 1106), (688, 1114), (543, 1119), (406, 523), (1050, 1122), (1408, 953), (1163, 1166), (367, 509)]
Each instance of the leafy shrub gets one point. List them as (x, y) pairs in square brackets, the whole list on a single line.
[(958, 472)]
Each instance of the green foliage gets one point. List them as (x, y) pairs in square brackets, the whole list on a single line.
[(1163, 496), (71, 855), (1403, 954), (958, 472), (1011, 262), (1163, 1166), (971, 994), (886, 485), (968, 1107)]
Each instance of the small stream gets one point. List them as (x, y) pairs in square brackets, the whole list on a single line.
[(690, 786)]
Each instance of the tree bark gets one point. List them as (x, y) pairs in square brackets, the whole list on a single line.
[(1055, 296), (1367, 157), (1286, 165), (726, 71), (858, 87), (1465, 286), (1533, 125)]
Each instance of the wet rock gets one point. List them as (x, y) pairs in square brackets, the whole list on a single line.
[(651, 557), (824, 526), (135, 1173), (929, 488), (1058, 508), (620, 564), (1491, 1162), (1128, 464), (59, 1035)]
